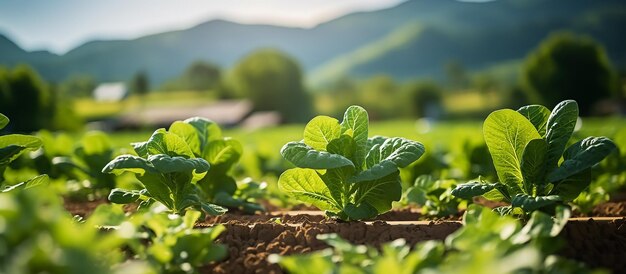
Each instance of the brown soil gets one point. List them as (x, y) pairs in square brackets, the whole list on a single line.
[(251, 239), (82, 208), (610, 209), (600, 244)]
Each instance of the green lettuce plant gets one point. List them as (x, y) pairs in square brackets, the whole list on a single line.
[(222, 153), (342, 171), (168, 170), (526, 146), (11, 147), (434, 197)]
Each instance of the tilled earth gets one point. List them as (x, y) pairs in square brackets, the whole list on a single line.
[(598, 242)]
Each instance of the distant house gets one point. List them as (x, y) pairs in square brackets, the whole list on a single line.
[(110, 92)]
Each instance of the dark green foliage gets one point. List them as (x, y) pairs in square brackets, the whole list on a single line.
[(140, 84), (569, 66), (272, 80)]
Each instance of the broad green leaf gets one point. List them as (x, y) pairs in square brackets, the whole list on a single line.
[(569, 188), (375, 140), (529, 203), (304, 156), (335, 181), (507, 133), (163, 142), (472, 189), (387, 157), (27, 141), (160, 188), (360, 212), (377, 171), (582, 155), (222, 154), (130, 163), (344, 146), (33, 182), (208, 129), (166, 164), (534, 164), (355, 123), (538, 115), (123, 196), (190, 134), (306, 185), (561, 124), (4, 121), (503, 210), (379, 193), (401, 151), (320, 131)]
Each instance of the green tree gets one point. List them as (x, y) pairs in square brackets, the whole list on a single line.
[(568, 66), (140, 84), (202, 76), (273, 81), (30, 108)]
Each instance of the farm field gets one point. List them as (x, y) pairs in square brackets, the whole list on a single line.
[(241, 200)]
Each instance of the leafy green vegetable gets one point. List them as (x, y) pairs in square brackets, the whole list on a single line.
[(222, 153), (526, 159), (339, 170), (168, 170)]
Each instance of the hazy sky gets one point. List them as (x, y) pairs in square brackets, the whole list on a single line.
[(60, 25)]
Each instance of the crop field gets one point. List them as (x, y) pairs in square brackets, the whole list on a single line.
[(335, 195)]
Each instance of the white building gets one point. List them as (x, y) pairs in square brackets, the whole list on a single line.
[(110, 92)]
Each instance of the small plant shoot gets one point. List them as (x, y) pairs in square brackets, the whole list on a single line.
[(342, 171), (526, 146)]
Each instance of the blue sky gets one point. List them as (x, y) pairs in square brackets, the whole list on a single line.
[(60, 25)]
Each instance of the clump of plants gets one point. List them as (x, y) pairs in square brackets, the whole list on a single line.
[(434, 197), (526, 146), (186, 166), (342, 171)]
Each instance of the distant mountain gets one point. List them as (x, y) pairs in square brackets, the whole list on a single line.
[(412, 39)]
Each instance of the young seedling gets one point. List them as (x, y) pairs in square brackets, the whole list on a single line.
[(341, 171), (526, 146), (168, 169)]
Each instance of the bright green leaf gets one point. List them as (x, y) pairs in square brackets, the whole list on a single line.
[(507, 133), (379, 193), (320, 131), (355, 123), (123, 196), (306, 185), (130, 163), (360, 212)]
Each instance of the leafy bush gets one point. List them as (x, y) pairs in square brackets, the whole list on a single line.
[(341, 171), (526, 146)]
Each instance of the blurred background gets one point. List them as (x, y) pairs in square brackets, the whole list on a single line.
[(135, 66)]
